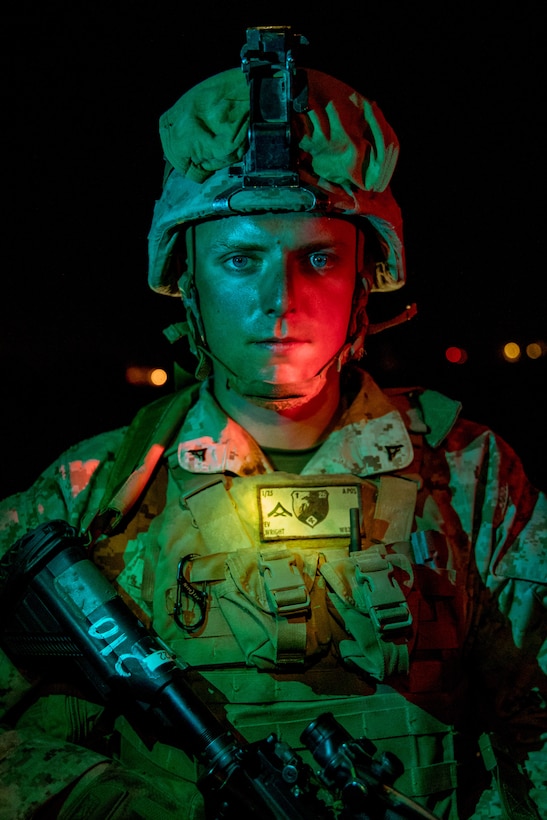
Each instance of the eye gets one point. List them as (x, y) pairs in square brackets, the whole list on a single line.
[(238, 262), (320, 261)]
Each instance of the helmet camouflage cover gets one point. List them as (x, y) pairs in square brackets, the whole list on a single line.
[(268, 137), (343, 154)]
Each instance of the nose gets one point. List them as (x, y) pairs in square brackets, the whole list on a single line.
[(277, 290)]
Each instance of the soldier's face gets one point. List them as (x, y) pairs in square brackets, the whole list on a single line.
[(275, 292)]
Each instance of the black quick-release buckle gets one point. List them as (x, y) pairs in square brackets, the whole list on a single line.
[(187, 593)]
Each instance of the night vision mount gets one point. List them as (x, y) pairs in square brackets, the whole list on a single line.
[(276, 87)]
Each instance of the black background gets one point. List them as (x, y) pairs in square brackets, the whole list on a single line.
[(84, 85)]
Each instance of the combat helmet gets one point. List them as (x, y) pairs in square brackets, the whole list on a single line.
[(270, 136)]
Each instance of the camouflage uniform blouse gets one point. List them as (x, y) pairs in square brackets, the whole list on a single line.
[(448, 517)]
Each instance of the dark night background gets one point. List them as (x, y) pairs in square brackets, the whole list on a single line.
[(84, 85)]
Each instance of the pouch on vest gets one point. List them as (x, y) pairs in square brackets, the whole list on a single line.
[(367, 590), (273, 596), (275, 605), (263, 585)]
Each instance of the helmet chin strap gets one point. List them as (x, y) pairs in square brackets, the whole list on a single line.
[(279, 397)]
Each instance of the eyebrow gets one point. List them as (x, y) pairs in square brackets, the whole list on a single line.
[(221, 245)]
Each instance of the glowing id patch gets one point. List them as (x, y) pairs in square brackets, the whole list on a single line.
[(306, 512)]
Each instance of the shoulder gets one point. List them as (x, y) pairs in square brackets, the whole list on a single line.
[(483, 473), (427, 411), (440, 419), (73, 485), (65, 489)]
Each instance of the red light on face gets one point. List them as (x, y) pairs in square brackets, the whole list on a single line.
[(455, 355)]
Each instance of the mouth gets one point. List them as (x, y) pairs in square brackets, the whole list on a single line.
[(279, 345)]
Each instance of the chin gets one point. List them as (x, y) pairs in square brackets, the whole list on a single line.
[(285, 374)]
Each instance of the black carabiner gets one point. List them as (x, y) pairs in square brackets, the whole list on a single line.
[(189, 592)]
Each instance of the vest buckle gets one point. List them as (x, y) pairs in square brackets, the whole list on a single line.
[(380, 592), (284, 583)]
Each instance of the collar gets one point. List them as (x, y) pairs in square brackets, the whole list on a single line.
[(370, 438)]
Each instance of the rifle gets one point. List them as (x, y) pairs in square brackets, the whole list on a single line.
[(55, 602)]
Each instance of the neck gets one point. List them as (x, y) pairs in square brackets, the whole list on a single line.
[(294, 429)]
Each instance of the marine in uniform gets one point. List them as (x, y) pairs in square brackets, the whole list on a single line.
[(304, 540)]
